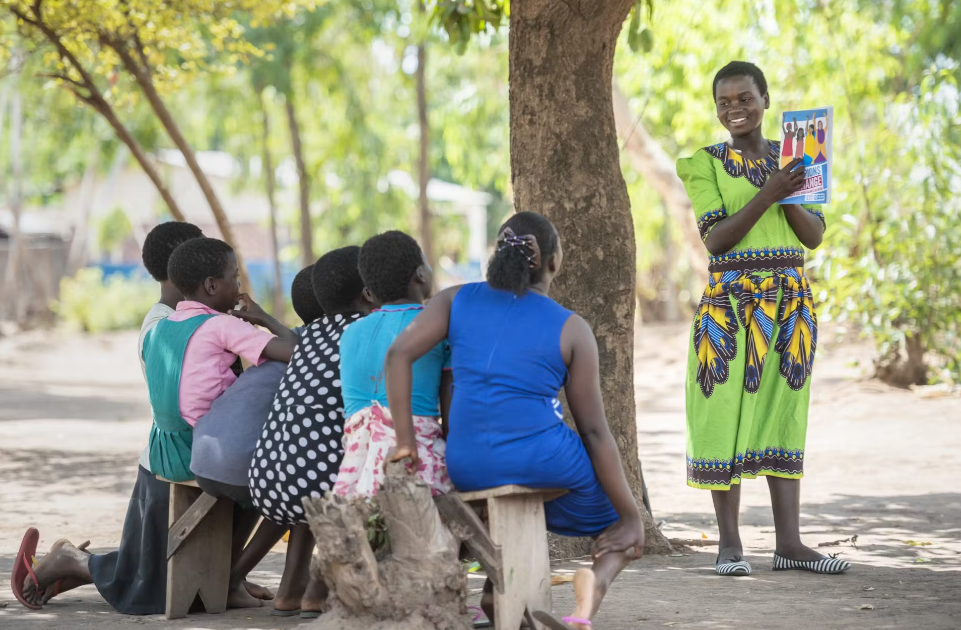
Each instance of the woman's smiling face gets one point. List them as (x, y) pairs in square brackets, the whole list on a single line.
[(740, 105)]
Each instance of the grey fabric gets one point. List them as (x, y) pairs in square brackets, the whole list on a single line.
[(133, 579), (238, 494), (224, 439)]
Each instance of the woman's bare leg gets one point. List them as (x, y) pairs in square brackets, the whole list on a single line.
[(293, 584), (786, 505), (727, 507)]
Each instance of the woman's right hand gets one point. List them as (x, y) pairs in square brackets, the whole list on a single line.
[(627, 533), (786, 182), (401, 451)]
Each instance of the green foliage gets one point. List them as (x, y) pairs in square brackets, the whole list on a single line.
[(903, 279), (112, 230), (90, 304)]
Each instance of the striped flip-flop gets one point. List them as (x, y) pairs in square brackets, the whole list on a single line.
[(736, 568), (830, 565)]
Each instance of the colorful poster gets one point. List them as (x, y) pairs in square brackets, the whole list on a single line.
[(807, 134)]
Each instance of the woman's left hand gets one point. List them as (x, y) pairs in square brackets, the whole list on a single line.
[(621, 536)]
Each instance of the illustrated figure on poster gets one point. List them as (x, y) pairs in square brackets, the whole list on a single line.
[(821, 137), (787, 146)]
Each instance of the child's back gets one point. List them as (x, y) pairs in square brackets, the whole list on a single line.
[(363, 350), (397, 274), (188, 356)]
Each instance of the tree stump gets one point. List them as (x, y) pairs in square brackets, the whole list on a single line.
[(419, 585)]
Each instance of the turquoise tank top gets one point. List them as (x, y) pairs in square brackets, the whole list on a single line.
[(171, 438)]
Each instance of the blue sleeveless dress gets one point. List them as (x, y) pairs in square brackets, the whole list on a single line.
[(506, 423)]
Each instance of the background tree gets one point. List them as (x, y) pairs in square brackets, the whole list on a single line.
[(158, 45)]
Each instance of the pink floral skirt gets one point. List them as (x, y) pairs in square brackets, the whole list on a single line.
[(369, 435)]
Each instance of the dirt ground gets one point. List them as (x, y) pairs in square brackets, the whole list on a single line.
[(882, 464)]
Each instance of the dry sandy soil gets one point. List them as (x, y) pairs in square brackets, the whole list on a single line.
[(882, 464)]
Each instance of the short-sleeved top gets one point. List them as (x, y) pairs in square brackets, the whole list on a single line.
[(156, 313), (719, 183), (300, 449), (211, 352), (363, 349)]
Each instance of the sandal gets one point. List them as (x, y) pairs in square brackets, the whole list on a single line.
[(486, 623), (736, 568), (23, 566), (831, 565)]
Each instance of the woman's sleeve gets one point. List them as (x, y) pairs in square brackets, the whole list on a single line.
[(700, 181)]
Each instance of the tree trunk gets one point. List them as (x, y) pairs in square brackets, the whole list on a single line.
[(14, 298), (565, 164), (278, 292), (306, 225), (423, 163), (97, 102), (142, 77), (650, 160), (104, 109), (420, 585), (77, 256)]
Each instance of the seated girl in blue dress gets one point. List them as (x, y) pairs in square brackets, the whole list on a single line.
[(512, 350)]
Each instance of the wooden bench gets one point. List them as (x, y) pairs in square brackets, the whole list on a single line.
[(513, 550), (198, 549)]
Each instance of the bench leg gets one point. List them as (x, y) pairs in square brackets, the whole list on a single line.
[(201, 564), (517, 524)]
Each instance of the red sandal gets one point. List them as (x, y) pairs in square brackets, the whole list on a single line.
[(23, 566)]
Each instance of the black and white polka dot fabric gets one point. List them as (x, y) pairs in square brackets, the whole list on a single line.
[(299, 452)]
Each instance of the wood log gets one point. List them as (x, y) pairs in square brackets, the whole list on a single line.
[(419, 585)]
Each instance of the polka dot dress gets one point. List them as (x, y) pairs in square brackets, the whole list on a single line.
[(299, 452)]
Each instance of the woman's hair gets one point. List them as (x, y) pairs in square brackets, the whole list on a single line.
[(741, 69), (510, 266), (162, 241), (302, 296), (336, 280), (387, 263), (196, 260)]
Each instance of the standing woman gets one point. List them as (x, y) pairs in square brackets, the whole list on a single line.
[(746, 418)]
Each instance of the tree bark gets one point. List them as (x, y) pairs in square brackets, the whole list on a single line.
[(423, 163), (306, 225), (565, 164), (142, 76), (95, 100), (420, 585), (278, 292)]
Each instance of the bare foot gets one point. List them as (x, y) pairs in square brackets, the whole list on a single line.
[(584, 593), (63, 561), (258, 591), (315, 597), (238, 597), (800, 553)]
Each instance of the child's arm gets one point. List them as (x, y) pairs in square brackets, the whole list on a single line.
[(446, 395), (281, 348), (426, 331), (587, 406)]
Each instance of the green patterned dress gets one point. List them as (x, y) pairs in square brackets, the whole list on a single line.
[(746, 417)]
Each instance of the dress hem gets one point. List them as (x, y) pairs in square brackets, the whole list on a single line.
[(737, 480)]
